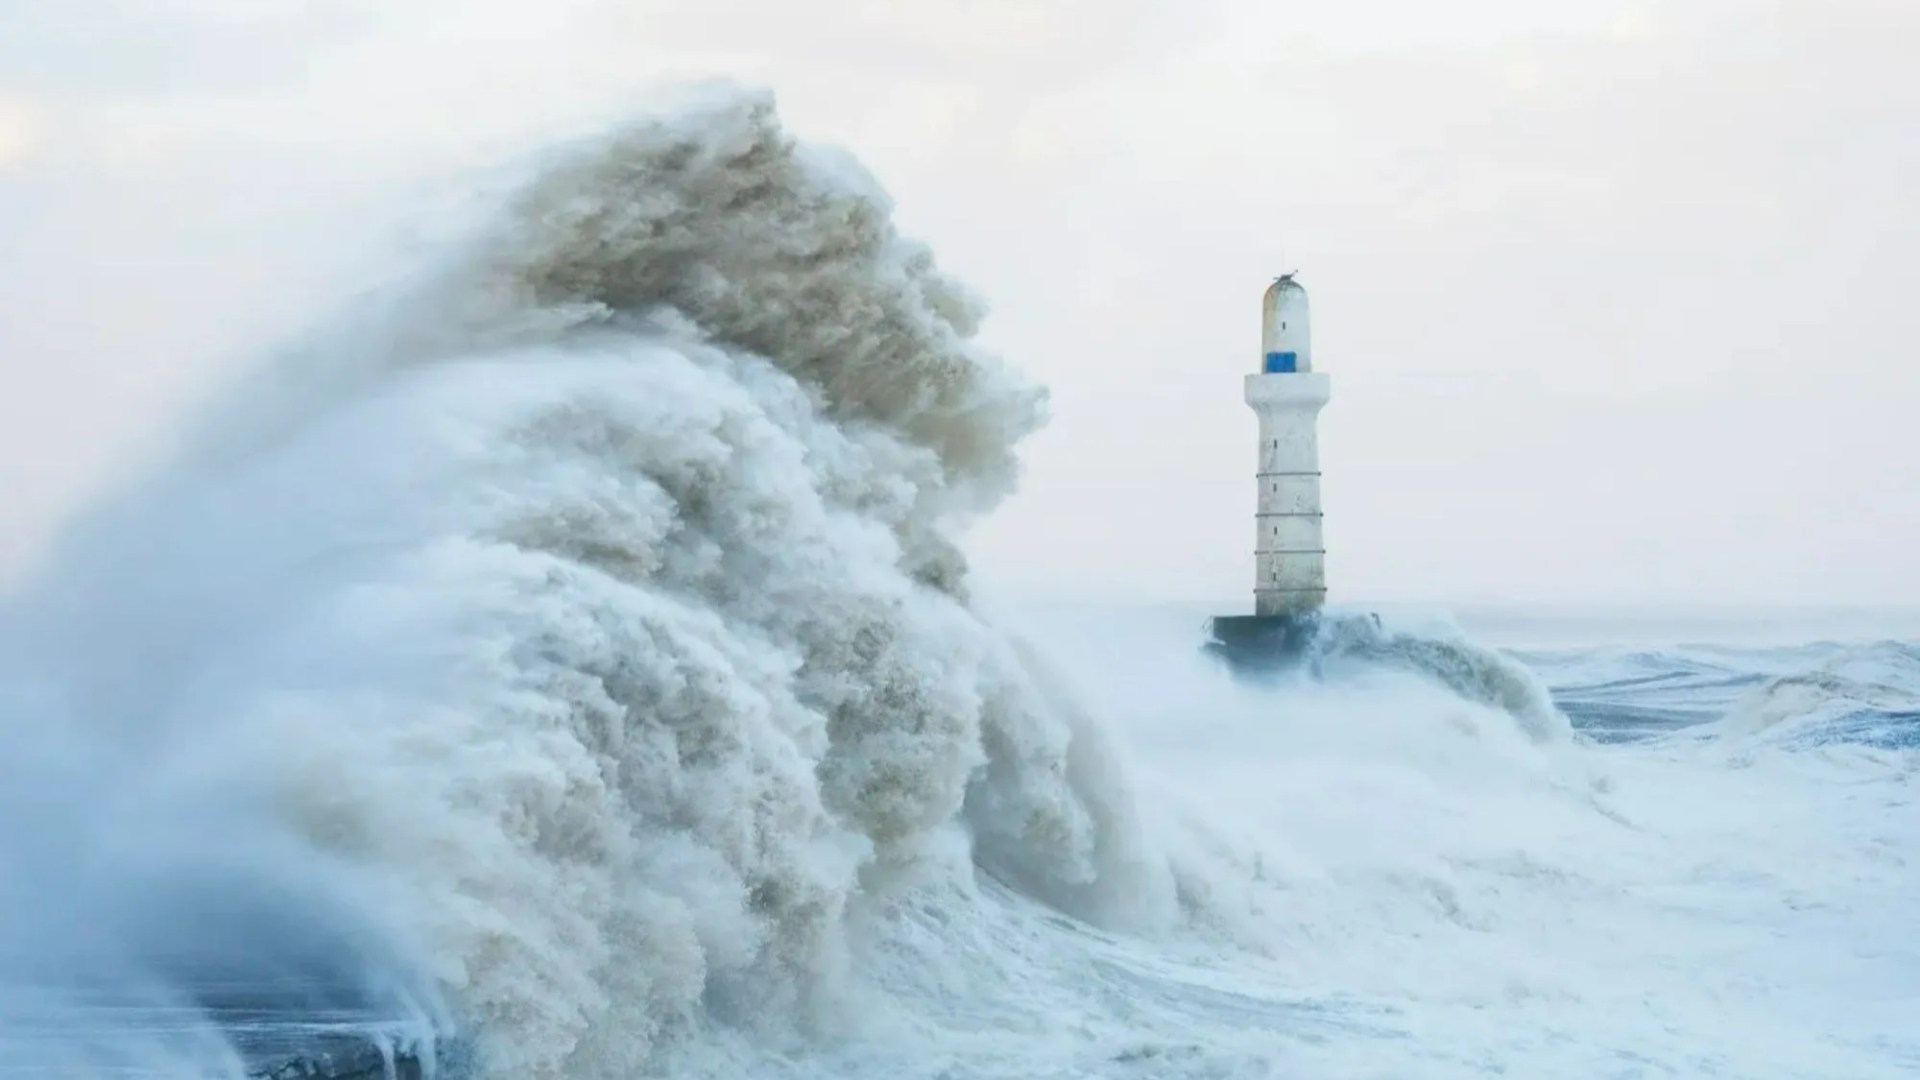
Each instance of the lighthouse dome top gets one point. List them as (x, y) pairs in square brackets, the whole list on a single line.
[(1285, 344)]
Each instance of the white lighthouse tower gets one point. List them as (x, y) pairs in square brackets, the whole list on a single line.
[(1287, 394), (1290, 554)]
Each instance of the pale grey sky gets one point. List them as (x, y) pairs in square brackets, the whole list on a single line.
[(1615, 296)]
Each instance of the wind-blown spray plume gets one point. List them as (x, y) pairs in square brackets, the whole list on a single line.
[(594, 607)]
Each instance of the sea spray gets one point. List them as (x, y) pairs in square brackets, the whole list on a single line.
[(595, 608)]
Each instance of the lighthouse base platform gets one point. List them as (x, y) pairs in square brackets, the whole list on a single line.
[(1257, 647)]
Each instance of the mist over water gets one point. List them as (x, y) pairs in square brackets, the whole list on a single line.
[(570, 652)]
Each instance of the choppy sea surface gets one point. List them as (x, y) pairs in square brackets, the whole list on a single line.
[(1712, 874)]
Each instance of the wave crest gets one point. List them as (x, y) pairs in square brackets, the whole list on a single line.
[(599, 598)]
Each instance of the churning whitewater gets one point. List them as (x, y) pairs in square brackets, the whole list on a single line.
[(564, 664), (592, 611)]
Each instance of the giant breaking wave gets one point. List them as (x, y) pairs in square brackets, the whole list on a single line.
[(590, 613)]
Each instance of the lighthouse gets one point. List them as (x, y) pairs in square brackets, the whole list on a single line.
[(1290, 554), (1289, 550)]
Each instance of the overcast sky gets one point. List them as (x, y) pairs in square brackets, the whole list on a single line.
[(1618, 299)]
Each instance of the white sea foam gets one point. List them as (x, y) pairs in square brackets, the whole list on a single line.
[(595, 604)]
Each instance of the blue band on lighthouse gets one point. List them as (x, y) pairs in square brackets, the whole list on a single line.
[(1282, 362)]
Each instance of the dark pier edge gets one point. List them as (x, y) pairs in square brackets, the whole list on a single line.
[(1256, 647), (354, 1057)]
